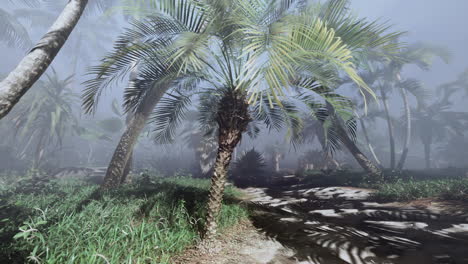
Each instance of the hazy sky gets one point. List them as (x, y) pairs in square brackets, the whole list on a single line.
[(434, 21)]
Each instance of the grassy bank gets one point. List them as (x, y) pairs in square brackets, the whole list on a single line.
[(64, 222), (447, 189), (448, 184)]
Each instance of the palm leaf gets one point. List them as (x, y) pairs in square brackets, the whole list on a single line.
[(12, 32)]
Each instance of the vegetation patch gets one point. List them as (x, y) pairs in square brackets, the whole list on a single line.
[(448, 184), (447, 189), (68, 222)]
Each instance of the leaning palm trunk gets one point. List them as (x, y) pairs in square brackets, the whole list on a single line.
[(369, 145), (365, 163), (127, 169), (30, 69), (390, 128), (115, 171), (404, 154), (129, 164), (232, 118)]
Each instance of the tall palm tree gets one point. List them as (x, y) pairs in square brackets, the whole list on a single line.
[(245, 53), (384, 74)]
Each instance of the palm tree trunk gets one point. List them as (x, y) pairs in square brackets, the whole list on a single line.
[(404, 154), (128, 168), (129, 138), (39, 151), (277, 157), (232, 118), (365, 163), (427, 155), (390, 128), (129, 164), (369, 145), (35, 63)]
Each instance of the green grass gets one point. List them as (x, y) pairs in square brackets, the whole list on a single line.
[(448, 189), (448, 184), (63, 222)]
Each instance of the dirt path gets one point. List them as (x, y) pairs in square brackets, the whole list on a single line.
[(342, 225), (241, 244)]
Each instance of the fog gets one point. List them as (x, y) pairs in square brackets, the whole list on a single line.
[(233, 131), (437, 23)]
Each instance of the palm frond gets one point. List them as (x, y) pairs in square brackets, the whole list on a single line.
[(12, 32), (168, 115), (35, 17)]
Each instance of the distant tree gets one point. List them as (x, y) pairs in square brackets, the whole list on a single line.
[(276, 152), (45, 117), (249, 170), (434, 121), (385, 76)]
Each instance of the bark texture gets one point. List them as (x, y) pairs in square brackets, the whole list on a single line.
[(404, 154), (233, 118), (390, 128), (365, 163), (135, 126), (126, 171), (36, 62)]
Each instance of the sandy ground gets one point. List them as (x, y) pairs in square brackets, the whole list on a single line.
[(241, 244)]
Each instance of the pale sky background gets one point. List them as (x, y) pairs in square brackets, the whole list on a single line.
[(433, 21)]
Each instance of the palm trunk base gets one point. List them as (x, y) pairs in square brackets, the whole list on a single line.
[(233, 118)]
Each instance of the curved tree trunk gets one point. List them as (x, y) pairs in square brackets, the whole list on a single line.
[(390, 128), (277, 157), (129, 164), (233, 118), (365, 163), (128, 168), (129, 138), (404, 154), (36, 62), (369, 145)]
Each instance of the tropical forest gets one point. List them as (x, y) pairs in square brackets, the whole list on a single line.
[(233, 132)]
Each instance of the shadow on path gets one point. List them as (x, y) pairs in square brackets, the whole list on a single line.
[(342, 225)]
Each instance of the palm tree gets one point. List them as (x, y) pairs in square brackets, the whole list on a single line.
[(143, 47), (385, 75), (12, 32), (436, 120), (35, 63), (245, 54), (45, 117), (202, 142), (38, 59)]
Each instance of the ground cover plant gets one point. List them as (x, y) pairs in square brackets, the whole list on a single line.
[(449, 184), (149, 221)]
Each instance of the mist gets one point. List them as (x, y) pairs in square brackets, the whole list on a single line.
[(324, 105)]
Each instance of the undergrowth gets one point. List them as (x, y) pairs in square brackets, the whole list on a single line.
[(448, 184), (447, 189), (68, 222)]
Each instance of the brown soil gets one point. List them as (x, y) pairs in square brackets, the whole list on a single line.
[(239, 244)]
